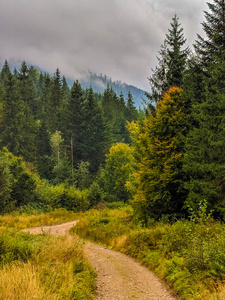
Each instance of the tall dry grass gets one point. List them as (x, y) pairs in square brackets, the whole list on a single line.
[(26, 221), (22, 282), (54, 268)]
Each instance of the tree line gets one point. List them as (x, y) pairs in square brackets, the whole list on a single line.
[(45, 121), (176, 162), (61, 133), (167, 160), (179, 145)]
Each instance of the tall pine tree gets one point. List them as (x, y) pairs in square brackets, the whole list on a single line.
[(204, 161), (159, 144), (95, 135), (18, 129), (75, 124), (212, 46), (171, 62), (27, 88)]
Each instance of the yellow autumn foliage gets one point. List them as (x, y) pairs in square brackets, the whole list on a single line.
[(158, 144)]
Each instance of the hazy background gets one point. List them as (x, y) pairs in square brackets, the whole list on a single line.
[(119, 38)]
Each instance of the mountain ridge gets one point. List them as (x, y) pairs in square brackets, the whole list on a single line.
[(99, 83), (90, 79)]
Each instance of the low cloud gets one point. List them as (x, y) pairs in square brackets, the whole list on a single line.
[(117, 38)]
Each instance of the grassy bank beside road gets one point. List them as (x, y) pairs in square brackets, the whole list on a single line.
[(189, 255), (42, 266)]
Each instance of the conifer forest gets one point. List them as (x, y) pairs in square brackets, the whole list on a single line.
[(166, 157)]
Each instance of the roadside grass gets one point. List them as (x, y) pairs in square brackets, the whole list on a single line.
[(188, 255), (43, 267), (25, 220)]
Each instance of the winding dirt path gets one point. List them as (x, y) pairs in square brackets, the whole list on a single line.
[(119, 277), (59, 229)]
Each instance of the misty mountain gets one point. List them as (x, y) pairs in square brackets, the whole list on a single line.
[(97, 82), (100, 82)]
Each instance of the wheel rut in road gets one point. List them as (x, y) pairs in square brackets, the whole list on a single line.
[(119, 277)]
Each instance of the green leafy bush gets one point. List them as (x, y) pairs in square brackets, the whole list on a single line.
[(62, 196)]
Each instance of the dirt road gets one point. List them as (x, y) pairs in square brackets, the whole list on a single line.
[(119, 277), (60, 229)]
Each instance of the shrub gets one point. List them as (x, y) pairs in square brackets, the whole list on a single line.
[(95, 194), (62, 196)]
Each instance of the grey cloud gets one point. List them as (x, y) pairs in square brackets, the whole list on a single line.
[(117, 37)]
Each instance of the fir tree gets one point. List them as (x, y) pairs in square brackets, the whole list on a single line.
[(95, 134), (131, 111), (56, 103), (44, 161), (40, 85), (18, 128), (205, 145), (204, 159), (114, 109), (11, 127), (75, 123), (212, 46), (159, 147), (5, 72), (171, 62), (27, 88), (110, 104), (176, 56), (46, 100), (65, 89)]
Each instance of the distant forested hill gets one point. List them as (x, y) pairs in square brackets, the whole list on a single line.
[(99, 84)]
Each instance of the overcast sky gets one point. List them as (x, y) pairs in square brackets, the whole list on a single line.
[(119, 38)]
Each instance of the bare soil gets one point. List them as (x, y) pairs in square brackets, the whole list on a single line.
[(119, 277)]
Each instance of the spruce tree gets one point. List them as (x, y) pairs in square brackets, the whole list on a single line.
[(204, 163), (131, 111), (159, 145), (44, 162), (204, 160), (158, 80), (11, 127), (95, 135), (212, 46), (65, 89), (75, 124), (121, 131), (27, 88), (18, 129), (171, 62), (40, 85), (56, 103), (110, 104), (114, 109), (45, 100), (5, 72), (176, 56)]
